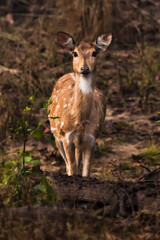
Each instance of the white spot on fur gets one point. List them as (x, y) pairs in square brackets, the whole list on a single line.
[(65, 105), (72, 76), (62, 124), (67, 135), (53, 129), (85, 84), (72, 112)]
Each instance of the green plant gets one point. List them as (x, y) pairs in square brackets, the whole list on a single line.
[(24, 128), (22, 185), (152, 154), (19, 177)]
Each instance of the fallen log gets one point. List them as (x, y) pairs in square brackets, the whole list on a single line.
[(115, 198)]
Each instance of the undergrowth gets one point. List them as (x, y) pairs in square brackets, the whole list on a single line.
[(21, 181)]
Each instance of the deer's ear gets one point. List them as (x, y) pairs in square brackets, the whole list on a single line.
[(103, 41), (65, 41)]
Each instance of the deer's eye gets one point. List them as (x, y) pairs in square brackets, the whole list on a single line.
[(94, 54), (75, 54)]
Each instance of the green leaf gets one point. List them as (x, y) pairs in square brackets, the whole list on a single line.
[(7, 201), (36, 162), (27, 109), (50, 101), (54, 117), (31, 99), (9, 164), (99, 217), (29, 130), (28, 159), (20, 128), (45, 106), (41, 187), (50, 139), (38, 134), (51, 194), (40, 124), (21, 152)]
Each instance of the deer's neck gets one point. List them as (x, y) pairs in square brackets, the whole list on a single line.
[(83, 97), (84, 84)]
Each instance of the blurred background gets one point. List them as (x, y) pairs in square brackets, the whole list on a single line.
[(31, 61), (128, 148)]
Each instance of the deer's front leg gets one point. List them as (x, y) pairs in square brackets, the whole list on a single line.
[(87, 155), (60, 147), (69, 149)]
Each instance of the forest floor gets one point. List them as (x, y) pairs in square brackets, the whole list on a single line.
[(126, 151)]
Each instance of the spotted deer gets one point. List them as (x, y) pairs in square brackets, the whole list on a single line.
[(78, 105)]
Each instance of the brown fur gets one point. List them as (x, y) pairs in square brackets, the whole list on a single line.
[(79, 106), (84, 51), (85, 108)]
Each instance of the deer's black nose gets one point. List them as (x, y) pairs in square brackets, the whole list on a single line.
[(85, 70)]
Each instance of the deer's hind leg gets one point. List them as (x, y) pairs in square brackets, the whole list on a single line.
[(87, 155), (78, 159)]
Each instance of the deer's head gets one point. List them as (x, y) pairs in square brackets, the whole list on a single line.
[(84, 54)]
